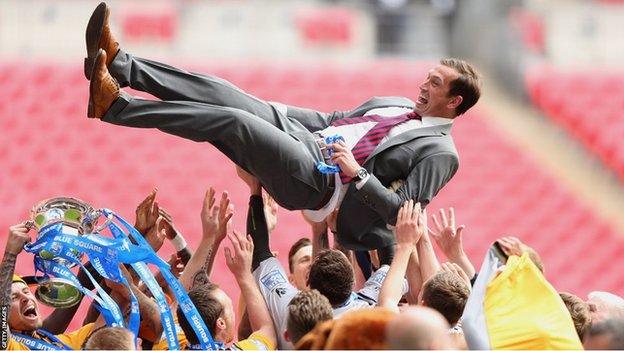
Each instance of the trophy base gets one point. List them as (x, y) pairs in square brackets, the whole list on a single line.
[(55, 293)]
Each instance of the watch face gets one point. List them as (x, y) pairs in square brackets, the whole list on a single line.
[(362, 173)]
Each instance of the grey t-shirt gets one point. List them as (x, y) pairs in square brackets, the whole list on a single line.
[(277, 292)]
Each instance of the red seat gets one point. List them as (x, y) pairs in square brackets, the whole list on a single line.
[(587, 103)]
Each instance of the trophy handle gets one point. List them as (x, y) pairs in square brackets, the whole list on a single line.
[(97, 214)]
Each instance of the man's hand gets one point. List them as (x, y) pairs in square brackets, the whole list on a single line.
[(270, 211), (343, 157), (457, 270), (155, 237), (226, 211), (448, 238), (512, 246), (18, 237), (146, 213), (209, 214), (252, 182), (166, 223), (215, 219), (409, 226), (240, 263)]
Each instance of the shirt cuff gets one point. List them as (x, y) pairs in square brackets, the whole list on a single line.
[(360, 183)]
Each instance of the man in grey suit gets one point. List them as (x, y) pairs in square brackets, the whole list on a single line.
[(384, 140)]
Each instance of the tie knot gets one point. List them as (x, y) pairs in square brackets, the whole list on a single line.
[(414, 115)]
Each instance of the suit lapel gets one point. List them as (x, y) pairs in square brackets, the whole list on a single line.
[(411, 135), (381, 102)]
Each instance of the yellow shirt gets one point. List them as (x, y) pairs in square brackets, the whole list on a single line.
[(162, 344), (255, 342), (75, 339)]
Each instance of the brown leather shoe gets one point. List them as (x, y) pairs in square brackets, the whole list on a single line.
[(103, 89), (99, 36)]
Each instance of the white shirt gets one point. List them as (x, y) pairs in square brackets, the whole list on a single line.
[(352, 133)]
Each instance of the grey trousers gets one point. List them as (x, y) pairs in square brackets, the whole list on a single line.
[(279, 150)]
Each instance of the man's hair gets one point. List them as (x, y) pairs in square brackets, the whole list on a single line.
[(109, 338), (209, 308), (332, 275), (613, 329), (446, 293), (305, 310), (303, 242), (579, 311), (467, 85)]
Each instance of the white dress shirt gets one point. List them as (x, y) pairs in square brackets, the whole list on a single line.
[(352, 133)]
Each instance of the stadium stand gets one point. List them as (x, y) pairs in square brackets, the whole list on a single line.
[(587, 104), (53, 149)]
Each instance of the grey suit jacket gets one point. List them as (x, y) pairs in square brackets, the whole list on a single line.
[(425, 158)]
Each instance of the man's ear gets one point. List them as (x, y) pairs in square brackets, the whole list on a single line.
[(220, 323), (291, 279), (456, 101), (286, 336)]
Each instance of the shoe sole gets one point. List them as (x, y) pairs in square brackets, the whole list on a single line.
[(92, 87), (95, 28)]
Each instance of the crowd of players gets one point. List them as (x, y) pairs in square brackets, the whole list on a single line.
[(328, 297)]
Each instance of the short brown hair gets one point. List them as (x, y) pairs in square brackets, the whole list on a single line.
[(446, 293), (332, 275), (209, 308), (303, 242), (579, 311), (109, 338), (305, 310), (467, 85)]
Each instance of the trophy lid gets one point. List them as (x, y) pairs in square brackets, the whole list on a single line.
[(71, 211)]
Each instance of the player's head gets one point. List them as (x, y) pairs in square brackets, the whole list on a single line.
[(24, 314), (215, 308), (418, 328), (446, 293), (332, 275), (110, 338), (451, 88), (579, 311), (299, 260), (305, 310)]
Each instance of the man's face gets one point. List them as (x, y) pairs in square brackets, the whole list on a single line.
[(227, 315), (24, 314), (301, 261), (434, 100)]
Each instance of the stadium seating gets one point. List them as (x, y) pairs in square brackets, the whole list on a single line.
[(49, 148), (586, 103)]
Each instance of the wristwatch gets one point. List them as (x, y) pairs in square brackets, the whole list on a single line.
[(360, 174)]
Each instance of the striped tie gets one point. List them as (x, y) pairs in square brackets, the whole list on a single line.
[(373, 137)]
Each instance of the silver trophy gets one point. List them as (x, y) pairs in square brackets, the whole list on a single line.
[(78, 218)]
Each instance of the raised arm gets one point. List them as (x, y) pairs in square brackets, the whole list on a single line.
[(427, 259), (18, 237), (214, 228), (320, 238), (174, 236), (150, 313), (257, 225), (240, 265), (408, 231), (448, 237)]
